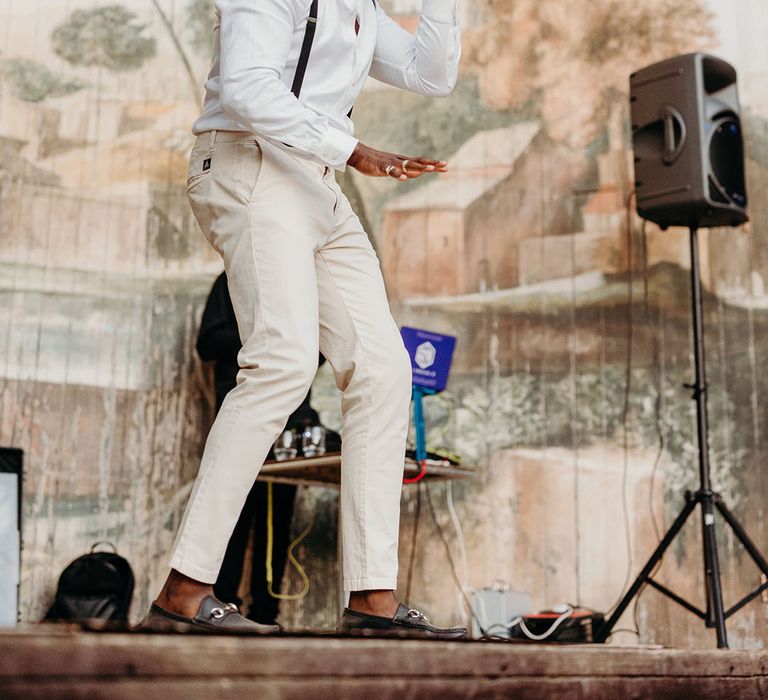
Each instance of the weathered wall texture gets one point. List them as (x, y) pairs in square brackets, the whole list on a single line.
[(574, 337)]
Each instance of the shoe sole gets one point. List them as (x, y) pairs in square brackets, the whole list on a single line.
[(155, 623)]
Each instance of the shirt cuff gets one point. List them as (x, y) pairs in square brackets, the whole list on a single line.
[(336, 148), (440, 10)]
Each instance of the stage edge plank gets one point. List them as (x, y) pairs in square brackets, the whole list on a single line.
[(82, 665)]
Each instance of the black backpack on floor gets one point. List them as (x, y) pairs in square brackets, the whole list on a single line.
[(98, 585)]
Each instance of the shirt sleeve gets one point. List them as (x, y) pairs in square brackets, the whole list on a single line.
[(426, 63), (256, 41)]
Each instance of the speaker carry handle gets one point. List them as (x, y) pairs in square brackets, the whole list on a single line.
[(672, 147)]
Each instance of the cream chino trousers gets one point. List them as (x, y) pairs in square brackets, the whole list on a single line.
[(303, 277)]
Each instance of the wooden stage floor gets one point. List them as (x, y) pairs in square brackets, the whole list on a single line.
[(65, 663)]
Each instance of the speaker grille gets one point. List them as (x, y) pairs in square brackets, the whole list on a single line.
[(726, 156)]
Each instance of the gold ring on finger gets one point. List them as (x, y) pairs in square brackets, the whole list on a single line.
[(405, 164), (388, 170)]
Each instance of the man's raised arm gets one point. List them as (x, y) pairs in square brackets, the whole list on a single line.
[(426, 63)]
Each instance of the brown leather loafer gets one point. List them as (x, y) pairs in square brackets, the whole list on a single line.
[(406, 622), (213, 616)]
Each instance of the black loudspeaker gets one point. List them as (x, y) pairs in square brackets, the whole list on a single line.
[(687, 139)]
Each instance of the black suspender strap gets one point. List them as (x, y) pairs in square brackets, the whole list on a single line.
[(306, 48)]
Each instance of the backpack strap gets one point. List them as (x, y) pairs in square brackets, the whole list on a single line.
[(306, 49)]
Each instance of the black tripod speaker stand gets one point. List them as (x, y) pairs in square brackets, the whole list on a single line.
[(715, 615)]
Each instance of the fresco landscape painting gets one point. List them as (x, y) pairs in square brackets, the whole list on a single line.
[(572, 316)]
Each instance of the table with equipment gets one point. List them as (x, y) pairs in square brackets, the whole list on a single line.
[(326, 471)]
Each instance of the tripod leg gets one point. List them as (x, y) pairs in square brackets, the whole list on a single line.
[(645, 574), (709, 620), (715, 611), (707, 551), (742, 536)]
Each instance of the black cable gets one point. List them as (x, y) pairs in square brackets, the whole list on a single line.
[(627, 393), (639, 595), (623, 629), (657, 381), (455, 575), (658, 423), (414, 538), (635, 619)]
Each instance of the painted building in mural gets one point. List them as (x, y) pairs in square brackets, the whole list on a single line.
[(572, 317)]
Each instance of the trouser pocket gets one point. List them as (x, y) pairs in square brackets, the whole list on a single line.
[(200, 164), (220, 183), (247, 168)]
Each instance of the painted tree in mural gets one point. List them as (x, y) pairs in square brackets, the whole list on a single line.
[(34, 82), (570, 64), (108, 37)]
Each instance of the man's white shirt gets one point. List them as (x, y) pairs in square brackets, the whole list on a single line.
[(257, 46)]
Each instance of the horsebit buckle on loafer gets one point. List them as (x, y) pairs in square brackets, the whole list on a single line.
[(218, 613), (415, 614)]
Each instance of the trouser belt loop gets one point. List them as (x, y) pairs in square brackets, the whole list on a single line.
[(212, 140)]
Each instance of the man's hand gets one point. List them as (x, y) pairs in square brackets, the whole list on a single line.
[(375, 163)]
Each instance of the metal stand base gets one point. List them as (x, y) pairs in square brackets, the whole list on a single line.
[(714, 615)]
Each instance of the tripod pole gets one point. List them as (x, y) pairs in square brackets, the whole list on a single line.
[(714, 614)]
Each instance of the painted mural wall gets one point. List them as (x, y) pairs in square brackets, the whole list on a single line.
[(572, 316)]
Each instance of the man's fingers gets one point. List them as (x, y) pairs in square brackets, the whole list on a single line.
[(428, 164), (405, 168), (422, 159), (410, 173), (439, 165), (395, 172), (414, 168), (411, 164)]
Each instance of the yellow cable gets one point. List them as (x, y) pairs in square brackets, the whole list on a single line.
[(299, 568)]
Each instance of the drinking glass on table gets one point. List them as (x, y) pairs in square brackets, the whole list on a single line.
[(313, 441), (285, 446)]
